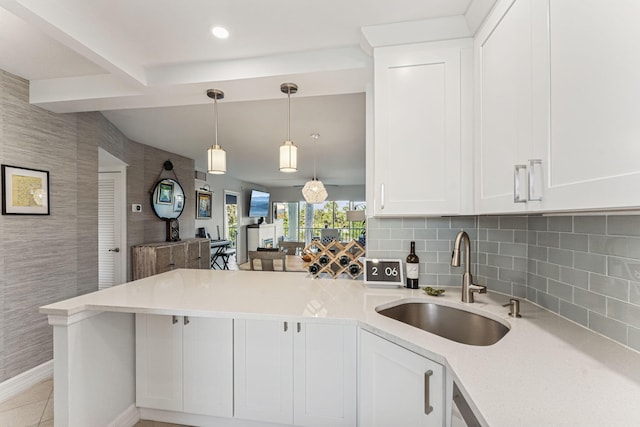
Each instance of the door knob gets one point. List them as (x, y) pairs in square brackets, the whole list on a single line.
[(116, 250)]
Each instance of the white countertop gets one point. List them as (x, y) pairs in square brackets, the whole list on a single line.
[(546, 371)]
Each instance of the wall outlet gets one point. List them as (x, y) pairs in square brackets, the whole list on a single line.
[(136, 208)]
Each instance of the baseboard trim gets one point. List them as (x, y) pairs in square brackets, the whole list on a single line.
[(25, 380), (128, 418)]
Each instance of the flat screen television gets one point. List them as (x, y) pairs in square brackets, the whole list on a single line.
[(259, 204)]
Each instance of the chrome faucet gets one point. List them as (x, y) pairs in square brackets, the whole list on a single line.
[(468, 288)]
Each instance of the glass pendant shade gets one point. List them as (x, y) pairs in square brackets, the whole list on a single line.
[(288, 157), (217, 160), (314, 191), (216, 156), (288, 151)]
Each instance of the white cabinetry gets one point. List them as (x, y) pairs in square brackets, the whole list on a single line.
[(295, 373), (184, 364), (594, 128), (419, 166), (398, 387), (555, 82), (506, 156)]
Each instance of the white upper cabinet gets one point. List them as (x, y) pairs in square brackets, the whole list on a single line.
[(418, 133), (506, 157), (556, 90), (593, 127)]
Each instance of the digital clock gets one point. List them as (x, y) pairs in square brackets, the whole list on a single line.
[(383, 272)]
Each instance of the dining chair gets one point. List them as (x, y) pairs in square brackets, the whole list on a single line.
[(267, 259)]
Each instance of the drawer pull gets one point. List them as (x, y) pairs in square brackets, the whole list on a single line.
[(427, 407), (532, 180), (516, 184), (286, 326), (174, 320)]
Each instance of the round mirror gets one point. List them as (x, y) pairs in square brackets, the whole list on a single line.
[(168, 199)]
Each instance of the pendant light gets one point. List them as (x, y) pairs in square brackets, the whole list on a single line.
[(288, 151), (216, 155), (314, 191)]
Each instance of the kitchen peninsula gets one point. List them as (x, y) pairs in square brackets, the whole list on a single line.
[(545, 371)]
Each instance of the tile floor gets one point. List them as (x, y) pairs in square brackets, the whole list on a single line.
[(34, 408)]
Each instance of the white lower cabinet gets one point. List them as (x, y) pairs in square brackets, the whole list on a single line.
[(398, 387), (184, 364), (295, 373)]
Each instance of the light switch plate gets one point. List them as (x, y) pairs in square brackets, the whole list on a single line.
[(136, 207)]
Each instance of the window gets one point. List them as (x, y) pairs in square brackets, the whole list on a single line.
[(303, 221)]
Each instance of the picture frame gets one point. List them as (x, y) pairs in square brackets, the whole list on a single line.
[(204, 200), (178, 203), (165, 193), (25, 191)]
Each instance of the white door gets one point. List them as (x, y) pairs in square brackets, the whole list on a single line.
[(111, 247), (263, 370), (208, 366), (504, 129), (398, 387), (417, 131), (159, 361), (324, 391), (594, 89)]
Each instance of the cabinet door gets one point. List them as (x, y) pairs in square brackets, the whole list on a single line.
[(205, 254), (417, 146), (263, 370), (397, 386), (163, 260), (158, 362), (193, 254), (208, 366), (324, 375), (594, 127), (503, 106), (178, 256)]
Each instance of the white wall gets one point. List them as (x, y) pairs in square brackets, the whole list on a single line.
[(339, 192)]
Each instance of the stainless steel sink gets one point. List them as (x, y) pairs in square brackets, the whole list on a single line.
[(448, 322)]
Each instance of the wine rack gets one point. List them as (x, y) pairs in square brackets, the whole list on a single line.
[(334, 258)]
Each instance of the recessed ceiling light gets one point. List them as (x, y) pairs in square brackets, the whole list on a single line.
[(220, 32)]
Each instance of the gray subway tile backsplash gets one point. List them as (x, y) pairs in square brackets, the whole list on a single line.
[(608, 327), (586, 268), (590, 224), (623, 225)]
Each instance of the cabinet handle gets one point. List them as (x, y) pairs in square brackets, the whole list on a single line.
[(286, 326), (299, 327), (516, 184), (427, 407), (532, 180), (186, 320), (381, 196), (174, 320)]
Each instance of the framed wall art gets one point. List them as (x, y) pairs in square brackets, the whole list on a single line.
[(165, 193), (24, 191), (204, 201)]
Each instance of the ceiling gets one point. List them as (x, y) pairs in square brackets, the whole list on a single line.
[(146, 65)]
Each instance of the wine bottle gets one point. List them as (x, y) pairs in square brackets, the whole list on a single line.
[(314, 268), (323, 260), (413, 268), (354, 269), (344, 260)]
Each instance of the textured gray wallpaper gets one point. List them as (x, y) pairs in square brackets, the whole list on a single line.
[(44, 259)]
